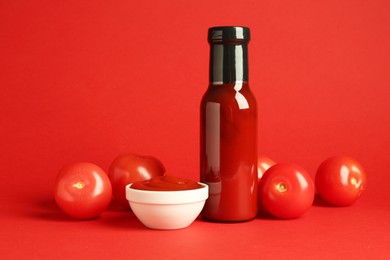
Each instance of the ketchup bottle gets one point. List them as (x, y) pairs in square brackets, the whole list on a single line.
[(228, 134)]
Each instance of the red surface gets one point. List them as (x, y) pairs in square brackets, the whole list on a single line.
[(85, 81)]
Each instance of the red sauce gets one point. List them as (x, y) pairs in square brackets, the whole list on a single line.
[(166, 183), (229, 153)]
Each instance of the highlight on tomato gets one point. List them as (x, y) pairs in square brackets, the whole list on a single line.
[(340, 180), (286, 191), (263, 164), (82, 190)]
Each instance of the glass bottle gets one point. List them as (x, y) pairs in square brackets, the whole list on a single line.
[(228, 130)]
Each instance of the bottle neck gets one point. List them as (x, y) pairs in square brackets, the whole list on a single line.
[(228, 63)]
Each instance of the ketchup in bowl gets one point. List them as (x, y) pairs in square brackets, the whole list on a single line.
[(166, 183)]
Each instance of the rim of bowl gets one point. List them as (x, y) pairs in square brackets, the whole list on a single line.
[(167, 197)]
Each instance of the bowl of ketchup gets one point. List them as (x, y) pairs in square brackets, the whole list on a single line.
[(167, 202)]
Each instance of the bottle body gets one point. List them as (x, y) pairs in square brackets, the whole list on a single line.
[(228, 136)]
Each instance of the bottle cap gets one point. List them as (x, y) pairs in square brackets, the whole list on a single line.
[(229, 34)]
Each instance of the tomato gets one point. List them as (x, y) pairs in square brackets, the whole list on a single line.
[(286, 191), (82, 190), (340, 180), (263, 163), (129, 168)]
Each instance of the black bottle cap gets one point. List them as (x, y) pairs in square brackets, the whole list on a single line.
[(229, 34)]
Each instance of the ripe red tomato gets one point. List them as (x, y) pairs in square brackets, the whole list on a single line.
[(286, 191), (82, 190), (340, 180), (129, 168), (263, 163)]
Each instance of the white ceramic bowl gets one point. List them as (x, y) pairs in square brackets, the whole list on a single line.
[(167, 209)]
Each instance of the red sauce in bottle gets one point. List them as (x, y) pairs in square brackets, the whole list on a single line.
[(228, 145), (166, 183)]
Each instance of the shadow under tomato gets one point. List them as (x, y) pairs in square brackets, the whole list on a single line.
[(47, 209), (121, 220), (319, 202), (115, 217), (266, 216), (117, 207)]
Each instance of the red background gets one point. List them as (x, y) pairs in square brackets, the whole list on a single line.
[(88, 80)]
